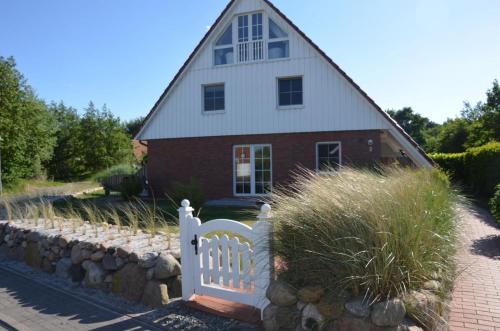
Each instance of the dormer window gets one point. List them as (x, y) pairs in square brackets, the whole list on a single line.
[(249, 43)]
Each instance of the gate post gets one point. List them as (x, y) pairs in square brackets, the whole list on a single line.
[(187, 263), (263, 257)]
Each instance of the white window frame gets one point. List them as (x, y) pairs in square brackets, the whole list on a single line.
[(328, 143), (301, 106), (252, 170), (212, 112)]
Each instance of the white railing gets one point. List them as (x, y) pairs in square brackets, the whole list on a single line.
[(251, 51), (223, 266)]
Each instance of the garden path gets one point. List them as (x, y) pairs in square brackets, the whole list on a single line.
[(475, 301)]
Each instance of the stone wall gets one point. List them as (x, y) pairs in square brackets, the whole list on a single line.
[(314, 308), (135, 265)]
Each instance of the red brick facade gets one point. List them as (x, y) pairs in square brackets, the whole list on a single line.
[(210, 159)]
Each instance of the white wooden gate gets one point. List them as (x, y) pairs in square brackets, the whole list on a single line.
[(222, 266)]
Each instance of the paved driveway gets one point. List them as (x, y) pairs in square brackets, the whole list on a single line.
[(475, 303)]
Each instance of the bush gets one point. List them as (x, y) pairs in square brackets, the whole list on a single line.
[(130, 187), (119, 169), (495, 203), (478, 167), (191, 191), (374, 233)]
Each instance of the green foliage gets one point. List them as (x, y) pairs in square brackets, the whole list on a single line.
[(131, 187), (132, 127), (478, 167), (453, 136), (119, 169), (191, 191), (26, 127), (374, 233), (494, 203), (414, 124)]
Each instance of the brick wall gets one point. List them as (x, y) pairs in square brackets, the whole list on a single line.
[(210, 159)]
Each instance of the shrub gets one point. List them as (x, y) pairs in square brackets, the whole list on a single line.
[(191, 191), (478, 167), (119, 169), (374, 233), (131, 186), (495, 203)]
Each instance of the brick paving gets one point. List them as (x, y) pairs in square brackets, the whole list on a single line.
[(475, 301)]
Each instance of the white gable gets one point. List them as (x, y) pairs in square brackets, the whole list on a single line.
[(331, 102)]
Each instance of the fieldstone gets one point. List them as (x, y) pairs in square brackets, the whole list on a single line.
[(62, 267), (175, 287), (33, 236), (155, 294), (310, 294), (94, 275), (20, 253), (24, 244), (358, 307), (130, 281), (432, 285), (108, 278), (32, 257), (301, 305), (150, 273), (76, 254), (109, 263), (409, 325), (123, 251), (415, 302), (45, 243), (388, 313), (86, 264), (166, 266), (97, 256), (47, 266), (76, 272), (348, 322), (311, 318), (119, 262), (133, 257), (62, 242), (52, 256), (281, 293), (148, 260), (55, 249), (331, 305), (287, 317), (269, 318)]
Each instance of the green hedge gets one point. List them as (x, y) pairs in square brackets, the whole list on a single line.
[(478, 167), (495, 203)]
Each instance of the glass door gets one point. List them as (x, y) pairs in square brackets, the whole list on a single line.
[(252, 169)]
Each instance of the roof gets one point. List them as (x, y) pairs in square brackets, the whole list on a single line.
[(316, 47)]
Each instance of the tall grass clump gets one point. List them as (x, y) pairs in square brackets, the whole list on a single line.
[(372, 233)]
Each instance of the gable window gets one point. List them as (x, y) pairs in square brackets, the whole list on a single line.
[(328, 155), (278, 42), (290, 91), (213, 98), (224, 51), (252, 169)]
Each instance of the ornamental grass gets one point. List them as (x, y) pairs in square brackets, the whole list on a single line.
[(377, 233)]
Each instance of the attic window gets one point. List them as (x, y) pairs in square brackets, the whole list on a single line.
[(278, 46), (224, 51)]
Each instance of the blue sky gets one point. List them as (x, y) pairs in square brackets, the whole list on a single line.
[(430, 55)]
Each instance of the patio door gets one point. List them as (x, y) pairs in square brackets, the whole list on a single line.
[(252, 173)]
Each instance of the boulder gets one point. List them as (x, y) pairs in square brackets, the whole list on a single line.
[(55, 249), (332, 304), (123, 251), (155, 294), (388, 313), (62, 267), (97, 256), (148, 260), (94, 276), (129, 282), (76, 272), (311, 318), (76, 254), (310, 294), (62, 242), (288, 318), (109, 263), (409, 325), (174, 287), (348, 322), (269, 318), (358, 307), (150, 274), (33, 257), (281, 293), (119, 262), (166, 266), (47, 266)]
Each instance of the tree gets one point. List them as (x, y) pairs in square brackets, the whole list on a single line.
[(413, 123), (133, 126), (26, 127), (67, 161), (104, 140), (452, 136)]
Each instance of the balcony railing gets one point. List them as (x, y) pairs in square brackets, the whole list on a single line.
[(250, 51)]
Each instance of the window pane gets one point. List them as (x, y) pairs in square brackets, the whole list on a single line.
[(275, 31), (284, 99), (226, 38), (257, 26), (243, 28), (267, 152), (284, 85), (259, 188), (266, 164), (214, 97), (278, 49), (296, 98), (266, 176), (219, 104), (328, 156), (258, 151), (290, 91), (258, 176), (223, 56), (296, 84), (323, 150)]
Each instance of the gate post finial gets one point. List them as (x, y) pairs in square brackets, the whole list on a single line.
[(265, 212), (187, 262)]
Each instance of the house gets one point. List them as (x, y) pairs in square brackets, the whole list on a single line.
[(254, 100)]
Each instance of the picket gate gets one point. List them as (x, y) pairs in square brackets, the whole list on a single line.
[(226, 259)]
